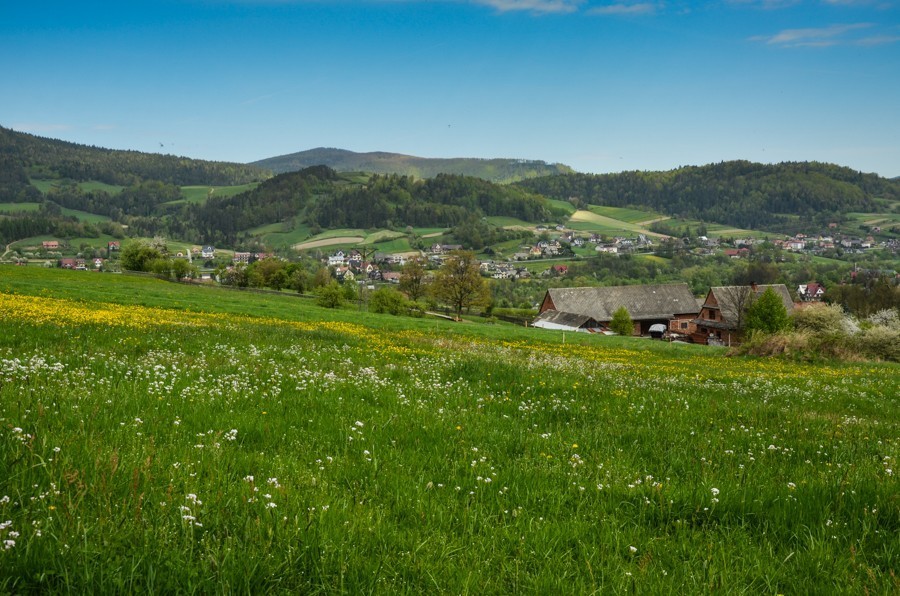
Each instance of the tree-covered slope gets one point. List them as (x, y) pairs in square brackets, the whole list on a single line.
[(739, 193), (24, 156), (341, 160), (324, 199)]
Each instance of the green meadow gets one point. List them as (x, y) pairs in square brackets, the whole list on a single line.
[(45, 185), (199, 194), (158, 437), (19, 207)]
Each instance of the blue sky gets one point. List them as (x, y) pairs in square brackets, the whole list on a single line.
[(603, 86)]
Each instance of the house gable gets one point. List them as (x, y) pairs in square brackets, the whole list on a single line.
[(719, 318)]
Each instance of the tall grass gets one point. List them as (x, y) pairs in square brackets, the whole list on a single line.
[(273, 446)]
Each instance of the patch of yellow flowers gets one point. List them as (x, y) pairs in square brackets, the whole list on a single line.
[(39, 310)]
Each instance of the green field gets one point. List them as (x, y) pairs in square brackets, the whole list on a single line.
[(388, 245), (199, 194), (429, 231), (862, 224), (592, 220), (45, 185), (19, 207), (203, 440), (35, 241), (632, 216), (282, 233), (32, 242), (382, 240), (34, 207), (85, 216), (563, 205), (508, 222)]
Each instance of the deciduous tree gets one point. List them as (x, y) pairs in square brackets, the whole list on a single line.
[(412, 279), (767, 314), (459, 283)]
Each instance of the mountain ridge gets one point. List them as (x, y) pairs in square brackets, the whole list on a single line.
[(500, 170)]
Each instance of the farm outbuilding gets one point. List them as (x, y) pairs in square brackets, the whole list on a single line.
[(564, 321)]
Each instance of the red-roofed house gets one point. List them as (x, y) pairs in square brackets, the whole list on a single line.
[(812, 292)]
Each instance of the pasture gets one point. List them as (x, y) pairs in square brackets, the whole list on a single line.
[(162, 437), (199, 194), (45, 185)]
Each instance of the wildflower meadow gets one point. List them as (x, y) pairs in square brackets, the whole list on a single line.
[(167, 438)]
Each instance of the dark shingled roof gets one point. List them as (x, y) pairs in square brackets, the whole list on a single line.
[(565, 318), (644, 302)]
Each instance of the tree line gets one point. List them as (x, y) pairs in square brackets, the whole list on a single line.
[(50, 158), (390, 201), (738, 193)]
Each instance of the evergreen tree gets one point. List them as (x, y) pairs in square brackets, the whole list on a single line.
[(621, 322)]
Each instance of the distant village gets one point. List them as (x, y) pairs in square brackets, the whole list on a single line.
[(554, 243)]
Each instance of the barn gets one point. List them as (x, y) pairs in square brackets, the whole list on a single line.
[(647, 305)]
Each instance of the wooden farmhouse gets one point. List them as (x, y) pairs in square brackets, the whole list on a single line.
[(647, 305), (722, 314)]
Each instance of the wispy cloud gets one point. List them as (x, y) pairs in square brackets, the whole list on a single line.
[(878, 40), (626, 8), (534, 6), (777, 4), (814, 37), (765, 4), (880, 3)]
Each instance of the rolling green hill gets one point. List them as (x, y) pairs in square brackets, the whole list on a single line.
[(78, 191), (341, 160), (24, 156), (739, 193)]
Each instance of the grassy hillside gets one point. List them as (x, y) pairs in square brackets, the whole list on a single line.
[(265, 444), (199, 194), (341, 160)]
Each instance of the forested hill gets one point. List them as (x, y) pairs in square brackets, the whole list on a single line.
[(740, 193), (341, 160), (322, 198), (24, 156)]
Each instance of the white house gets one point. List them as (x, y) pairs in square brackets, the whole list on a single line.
[(338, 259)]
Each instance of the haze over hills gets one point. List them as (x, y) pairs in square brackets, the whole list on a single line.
[(379, 162)]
